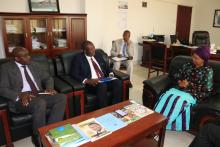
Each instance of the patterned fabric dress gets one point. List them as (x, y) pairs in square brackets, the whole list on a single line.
[(176, 103)]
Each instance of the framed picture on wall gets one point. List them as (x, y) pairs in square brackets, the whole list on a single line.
[(51, 6), (216, 22)]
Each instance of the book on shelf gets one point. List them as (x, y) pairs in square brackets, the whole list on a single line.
[(66, 135), (110, 122), (93, 129)]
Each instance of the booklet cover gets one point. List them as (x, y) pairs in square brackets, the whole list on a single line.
[(125, 115), (93, 129), (63, 135), (107, 79), (110, 122), (139, 109)]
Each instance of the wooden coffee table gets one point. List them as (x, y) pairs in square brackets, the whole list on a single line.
[(134, 134)]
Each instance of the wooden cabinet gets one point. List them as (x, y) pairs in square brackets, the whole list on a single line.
[(49, 34)]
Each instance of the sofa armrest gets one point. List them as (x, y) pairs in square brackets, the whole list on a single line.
[(76, 86), (153, 89), (120, 75), (3, 103), (61, 86), (205, 112)]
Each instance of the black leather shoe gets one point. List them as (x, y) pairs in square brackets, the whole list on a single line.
[(35, 140)]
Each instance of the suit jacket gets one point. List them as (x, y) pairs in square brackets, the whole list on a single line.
[(80, 68), (11, 82), (116, 48)]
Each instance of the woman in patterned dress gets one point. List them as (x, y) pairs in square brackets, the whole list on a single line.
[(194, 83)]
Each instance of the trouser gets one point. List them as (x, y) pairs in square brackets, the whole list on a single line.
[(128, 64), (101, 89), (38, 108), (208, 136)]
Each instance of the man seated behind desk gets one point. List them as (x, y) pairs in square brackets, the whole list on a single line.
[(20, 81), (124, 48), (88, 67)]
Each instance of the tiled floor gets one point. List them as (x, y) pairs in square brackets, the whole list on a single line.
[(172, 138)]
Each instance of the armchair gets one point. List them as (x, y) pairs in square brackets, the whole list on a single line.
[(63, 65), (15, 126), (202, 113)]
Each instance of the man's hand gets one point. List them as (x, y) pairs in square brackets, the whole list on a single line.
[(130, 58), (119, 55), (25, 98), (51, 91), (183, 83), (92, 82)]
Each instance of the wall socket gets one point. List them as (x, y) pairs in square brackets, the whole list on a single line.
[(144, 4)]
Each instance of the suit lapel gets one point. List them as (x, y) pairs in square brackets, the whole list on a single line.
[(16, 74), (86, 64)]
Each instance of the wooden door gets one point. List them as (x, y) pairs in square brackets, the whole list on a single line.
[(78, 32), (183, 23)]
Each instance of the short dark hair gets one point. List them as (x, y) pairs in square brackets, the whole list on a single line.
[(86, 43), (126, 31)]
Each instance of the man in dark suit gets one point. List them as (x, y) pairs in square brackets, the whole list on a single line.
[(21, 81), (88, 67), (208, 136)]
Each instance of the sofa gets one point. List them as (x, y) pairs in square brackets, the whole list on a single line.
[(202, 113), (17, 125)]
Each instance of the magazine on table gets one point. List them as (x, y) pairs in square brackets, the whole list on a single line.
[(93, 129), (139, 109), (110, 122), (125, 115), (67, 135)]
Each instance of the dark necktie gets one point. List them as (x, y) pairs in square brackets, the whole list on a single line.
[(30, 82), (99, 73)]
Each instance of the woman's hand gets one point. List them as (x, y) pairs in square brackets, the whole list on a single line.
[(183, 83)]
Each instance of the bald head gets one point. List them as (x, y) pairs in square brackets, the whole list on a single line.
[(21, 55)]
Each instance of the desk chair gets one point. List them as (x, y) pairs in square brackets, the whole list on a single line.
[(157, 58), (201, 38)]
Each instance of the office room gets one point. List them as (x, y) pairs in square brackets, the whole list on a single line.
[(62, 29)]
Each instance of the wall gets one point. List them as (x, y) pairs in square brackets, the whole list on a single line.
[(203, 18), (159, 17)]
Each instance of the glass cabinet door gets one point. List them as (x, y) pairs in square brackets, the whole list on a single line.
[(15, 33), (39, 33), (59, 33)]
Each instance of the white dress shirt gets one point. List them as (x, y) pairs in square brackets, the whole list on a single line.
[(26, 86)]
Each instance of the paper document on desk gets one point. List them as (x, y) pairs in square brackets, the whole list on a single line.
[(107, 79), (119, 59)]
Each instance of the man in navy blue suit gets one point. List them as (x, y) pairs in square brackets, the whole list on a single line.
[(89, 67)]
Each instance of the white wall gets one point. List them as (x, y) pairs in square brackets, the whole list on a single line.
[(203, 18), (159, 17)]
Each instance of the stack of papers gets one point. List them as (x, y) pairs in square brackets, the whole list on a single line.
[(119, 59)]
